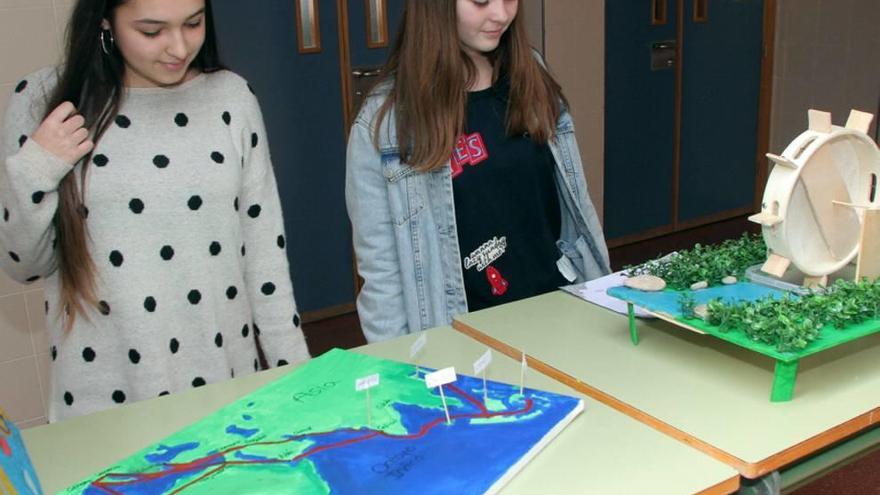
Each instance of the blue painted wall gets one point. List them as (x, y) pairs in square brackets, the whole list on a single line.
[(721, 81), (301, 99), (639, 114)]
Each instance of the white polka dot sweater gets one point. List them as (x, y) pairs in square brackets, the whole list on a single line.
[(185, 229)]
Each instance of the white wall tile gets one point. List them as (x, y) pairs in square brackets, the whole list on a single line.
[(15, 339), (9, 286), (33, 29), (23, 425), (36, 311), (24, 4), (21, 397), (43, 364)]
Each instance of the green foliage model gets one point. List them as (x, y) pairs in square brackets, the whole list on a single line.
[(791, 323), (710, 263)]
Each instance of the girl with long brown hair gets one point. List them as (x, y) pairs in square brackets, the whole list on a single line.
[(136, 181), (464, 182)]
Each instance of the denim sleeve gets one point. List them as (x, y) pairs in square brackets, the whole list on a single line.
[(380, 303)]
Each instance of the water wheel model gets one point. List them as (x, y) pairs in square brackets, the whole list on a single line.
[(818, 196)]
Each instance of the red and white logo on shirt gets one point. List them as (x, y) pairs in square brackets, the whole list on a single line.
[(469, 150)]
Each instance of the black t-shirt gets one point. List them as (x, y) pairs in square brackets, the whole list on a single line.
[(506, 207)]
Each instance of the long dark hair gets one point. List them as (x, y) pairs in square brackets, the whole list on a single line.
[(431, 74), (93, 81)]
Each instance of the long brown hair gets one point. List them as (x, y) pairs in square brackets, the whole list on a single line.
[(430, 74), (93, 81)]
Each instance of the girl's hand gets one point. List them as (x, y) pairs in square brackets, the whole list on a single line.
[(63, 134)]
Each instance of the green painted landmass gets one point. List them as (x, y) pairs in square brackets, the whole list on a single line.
[(317, 397)]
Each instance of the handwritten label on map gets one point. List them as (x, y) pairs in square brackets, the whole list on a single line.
[(481, 364), (366, 382), (440, 377)]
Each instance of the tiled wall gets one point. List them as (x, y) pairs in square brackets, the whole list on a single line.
[(827, 59), (30, 37)]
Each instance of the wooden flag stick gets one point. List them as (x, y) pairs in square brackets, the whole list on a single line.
[(445, 408)]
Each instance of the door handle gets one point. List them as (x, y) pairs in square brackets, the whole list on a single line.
[(663, 54), (366, 73)]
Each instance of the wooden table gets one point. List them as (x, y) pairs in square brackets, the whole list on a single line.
[(697, 389), (602, 451)]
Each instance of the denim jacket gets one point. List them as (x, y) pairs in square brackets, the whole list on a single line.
[(405, 237)]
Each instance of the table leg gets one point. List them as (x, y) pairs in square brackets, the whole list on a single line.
[(783, 381), (633, 332), (769, 484)]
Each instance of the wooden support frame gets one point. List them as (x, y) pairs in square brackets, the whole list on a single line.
[(701, 10), (308, 26), (377, 23), (659, 12)]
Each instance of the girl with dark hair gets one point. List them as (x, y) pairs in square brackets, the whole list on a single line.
[(464, 182), (135, 179)]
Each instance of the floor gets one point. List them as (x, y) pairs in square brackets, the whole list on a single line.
[(858, 478)]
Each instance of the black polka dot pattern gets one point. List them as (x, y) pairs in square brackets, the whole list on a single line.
[(218, 157), (46, 307), (37, 197), (194, 202), (21, 140), (218, 339), (174, 346), (150, 304), (242, 250), (268, 288), (231, 292), (282, 362), (198, 382), (5, 215), (254, 211), (123, 121), (88, 355), (116, 258), (215, 248), (136, 205), (33, 279), (235, 203), (181, 120), (161, 161), (245, 330), (53, 350), (167, 252), (254, 140), (20, 86), (227, 119), (134, 356), (14, 256), (296, 320), (104, 308), (100, 160), (256, 330), (83, 211), (68, 398), (164, 393), (194, 297), (280, 241), (119, 397)]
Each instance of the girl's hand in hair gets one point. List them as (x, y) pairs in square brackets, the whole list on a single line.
[(63, 134)]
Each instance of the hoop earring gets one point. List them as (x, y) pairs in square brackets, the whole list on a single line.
[(106, 46)]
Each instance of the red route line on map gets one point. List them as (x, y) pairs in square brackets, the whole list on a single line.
[(199, 463)]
